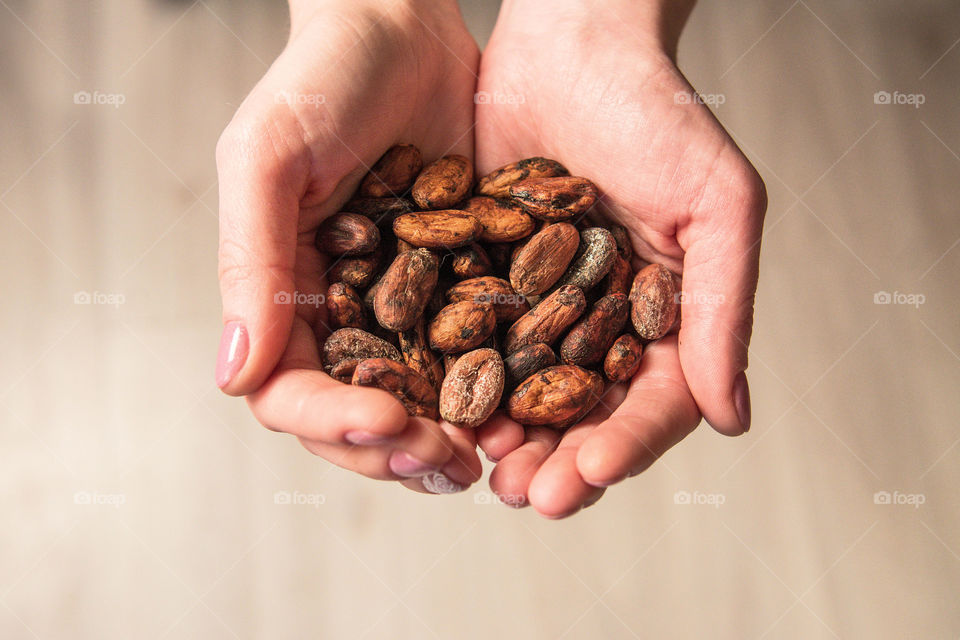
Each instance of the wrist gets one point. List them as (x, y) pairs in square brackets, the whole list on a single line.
[(657, 23), (303, 11)]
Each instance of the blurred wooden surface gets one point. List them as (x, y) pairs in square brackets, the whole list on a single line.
[(116, 404)]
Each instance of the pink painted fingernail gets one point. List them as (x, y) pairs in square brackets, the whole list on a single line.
[(440, 484), (404, 464), (365, 437), (741, 398), (234, 348)]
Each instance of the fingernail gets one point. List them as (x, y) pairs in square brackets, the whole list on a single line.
[(234, 347), (491, 458), (365, 437), (741, 398), (404, 464), (440, 484)]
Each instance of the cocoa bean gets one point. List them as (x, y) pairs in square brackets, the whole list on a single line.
[(409, 387), (393, 173), (588, 341), (546, 321), (500, 220), (347, 234), (543, 260), (380, 208), (508, 305), (555, 199), (343, 370), (461, 326), (405, 288), (356, 344), (344, 307), (443, 183), (623, 358), (653, 302), (622, 237), (595, 256), (417, 354), (553, 395), (471, 391), (471, 262), (437, 229), (620, 277), (357, 272), (523, 363), (497, 183)]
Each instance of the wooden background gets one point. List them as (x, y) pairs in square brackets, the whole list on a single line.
[(115, 404)]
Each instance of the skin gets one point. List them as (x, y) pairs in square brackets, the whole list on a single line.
[(406, 71), (286, 164), (688, 197)]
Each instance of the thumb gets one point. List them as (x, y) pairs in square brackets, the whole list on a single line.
[(720, 267), (261, 181)]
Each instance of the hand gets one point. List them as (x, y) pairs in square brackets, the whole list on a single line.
[(356, 77), (596, 88)]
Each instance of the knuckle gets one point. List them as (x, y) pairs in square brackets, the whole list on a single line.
[(238, 264)]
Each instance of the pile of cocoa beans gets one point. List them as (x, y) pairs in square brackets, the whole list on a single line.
[(458, 296)]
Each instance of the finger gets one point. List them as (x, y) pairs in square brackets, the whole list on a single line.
[(720, 267), (262, 173), (499, 435), (657, 413), (302, 400), (557, 490), (423, 448), (464, 466), (511, 478), (461, 470)]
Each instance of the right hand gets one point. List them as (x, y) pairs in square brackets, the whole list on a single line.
[(356, 77)]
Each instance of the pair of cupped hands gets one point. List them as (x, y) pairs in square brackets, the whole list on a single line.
[(595, 87)]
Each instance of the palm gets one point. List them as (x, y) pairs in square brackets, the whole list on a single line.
[(659, 161), (651, 156)]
